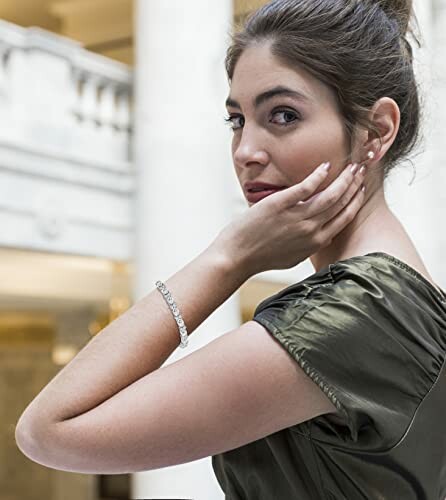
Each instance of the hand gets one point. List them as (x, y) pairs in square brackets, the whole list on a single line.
[(285, 228)]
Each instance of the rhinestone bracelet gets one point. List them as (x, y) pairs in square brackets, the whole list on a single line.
[(175, 311)]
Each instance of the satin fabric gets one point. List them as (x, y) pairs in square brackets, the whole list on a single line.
[(370, 331)]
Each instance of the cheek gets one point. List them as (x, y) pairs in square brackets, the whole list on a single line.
[(299, 159), (334, 147), (312, 148)]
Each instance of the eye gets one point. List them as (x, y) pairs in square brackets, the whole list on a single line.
[(232, 121), (289, 116)]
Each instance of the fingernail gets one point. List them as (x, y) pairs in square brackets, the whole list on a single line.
[(327, 166), (363, 188), (363, 169), (354, 168)]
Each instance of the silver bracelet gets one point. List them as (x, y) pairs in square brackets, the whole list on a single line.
[(175, 311)]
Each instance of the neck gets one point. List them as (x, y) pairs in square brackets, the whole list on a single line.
[(360, 236)]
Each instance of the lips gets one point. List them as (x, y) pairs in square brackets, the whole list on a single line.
[(250, 186), (254, 197)]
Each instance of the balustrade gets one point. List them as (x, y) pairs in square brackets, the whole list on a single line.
[(57, 96), (66, 182)]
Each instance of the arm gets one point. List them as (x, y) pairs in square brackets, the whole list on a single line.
[(134, 345), (137, 416)]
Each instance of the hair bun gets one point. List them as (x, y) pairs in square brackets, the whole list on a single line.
[(401, 10)]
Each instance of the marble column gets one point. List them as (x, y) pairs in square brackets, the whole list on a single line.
[(438, 135), (413, 195), (185, 178)]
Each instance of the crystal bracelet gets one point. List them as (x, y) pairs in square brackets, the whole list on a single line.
[(175, 311)]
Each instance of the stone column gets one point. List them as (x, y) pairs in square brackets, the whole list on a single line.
[(412, 194), (438, 194), (185, 178)]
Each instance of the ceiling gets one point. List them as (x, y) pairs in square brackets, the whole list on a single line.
[(103, 26), (29, 12)]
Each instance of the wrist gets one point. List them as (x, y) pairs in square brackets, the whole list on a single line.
[(229, 263)]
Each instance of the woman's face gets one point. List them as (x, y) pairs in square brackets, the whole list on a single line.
[(283, 138)]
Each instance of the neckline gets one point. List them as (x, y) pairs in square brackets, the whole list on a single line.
[(440, 294)]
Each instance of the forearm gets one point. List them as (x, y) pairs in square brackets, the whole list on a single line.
[(136, 343)]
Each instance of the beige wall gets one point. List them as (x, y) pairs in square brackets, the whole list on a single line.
[(25, 368), (50, 307)]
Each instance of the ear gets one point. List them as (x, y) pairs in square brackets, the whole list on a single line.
[(386, 116)]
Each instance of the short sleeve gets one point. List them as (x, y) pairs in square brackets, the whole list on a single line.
[(350, 341)]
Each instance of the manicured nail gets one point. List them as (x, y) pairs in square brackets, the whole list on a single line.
[(327, 166), (354, 168), (363, 169), (363, 189)]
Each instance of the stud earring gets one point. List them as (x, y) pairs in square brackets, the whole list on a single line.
[(371, 155)]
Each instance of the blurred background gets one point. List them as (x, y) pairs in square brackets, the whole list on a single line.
[(110, 111)]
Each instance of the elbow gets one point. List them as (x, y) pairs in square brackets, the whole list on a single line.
[(33, 441), (44, 443), (25, 440)]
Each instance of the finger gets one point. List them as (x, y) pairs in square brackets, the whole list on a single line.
[(346, 198), (343, 219), (331, 195), (303, 190)]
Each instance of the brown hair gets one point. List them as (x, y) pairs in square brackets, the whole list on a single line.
[(357, 47)]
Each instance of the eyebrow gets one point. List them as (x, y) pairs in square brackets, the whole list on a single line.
[(269, 94)]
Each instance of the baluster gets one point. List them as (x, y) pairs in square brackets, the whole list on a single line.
[(123, 124), (88, 109), (73, 98), (89, 99), (3, 52), (18, 97), (4, 103), (106, 115), (74, 110), (107, 104)]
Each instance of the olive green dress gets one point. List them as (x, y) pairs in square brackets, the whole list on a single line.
[(371, 332)]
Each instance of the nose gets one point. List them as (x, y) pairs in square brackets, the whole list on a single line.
[(249, 150)]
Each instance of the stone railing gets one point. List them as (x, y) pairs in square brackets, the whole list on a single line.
[(66, 171), (58, 96)]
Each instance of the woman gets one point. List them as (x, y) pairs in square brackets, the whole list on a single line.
[(335, 390)]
